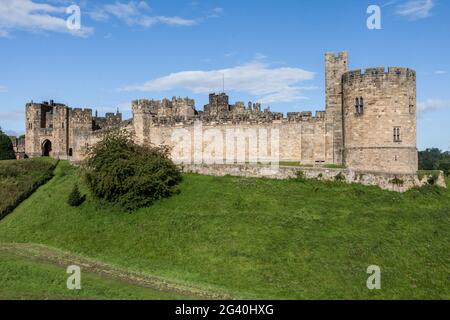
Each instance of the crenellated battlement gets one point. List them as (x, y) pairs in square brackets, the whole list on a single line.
[(48, 104), (81, 112), (165, 107), (305, 116), (331, 56), (244, 118), (218, 110), (391, 74)]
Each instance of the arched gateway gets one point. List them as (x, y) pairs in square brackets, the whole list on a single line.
[(46, 148)]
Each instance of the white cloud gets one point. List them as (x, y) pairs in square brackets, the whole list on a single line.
[(3, 89), (416, 9), (175, 21), (216, 13), (439, 72), (135, 13), (32, 16), (432, 105), (387, 4), (268, 85)]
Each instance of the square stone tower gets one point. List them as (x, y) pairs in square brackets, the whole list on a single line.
[(335, 67), (47, 126)]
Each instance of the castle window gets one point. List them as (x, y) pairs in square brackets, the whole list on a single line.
[(411, 105), (62, 125), (30, 126), (70, 152), (359, 105), (397, 134)]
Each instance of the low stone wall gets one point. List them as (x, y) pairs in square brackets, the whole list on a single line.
[(388, 181)]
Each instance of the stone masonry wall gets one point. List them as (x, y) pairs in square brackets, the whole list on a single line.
[(387, 181), (307, 141), (388, 101)]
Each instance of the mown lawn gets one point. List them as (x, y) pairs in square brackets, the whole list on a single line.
[(18, 179), (257, 238)]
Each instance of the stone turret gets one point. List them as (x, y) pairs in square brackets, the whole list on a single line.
[(380, 119), (218, 105), (335, 67)]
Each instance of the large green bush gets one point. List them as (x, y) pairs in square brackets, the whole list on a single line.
[(120, 171), (6, 147)]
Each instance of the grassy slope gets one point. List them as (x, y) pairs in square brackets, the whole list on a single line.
[(22, 278), (257, 238), (18, 179)]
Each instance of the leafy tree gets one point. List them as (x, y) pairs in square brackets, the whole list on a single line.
[(434, 159), (444, 165), (6, 147), (120, 171), (75, 197), (429, 159)]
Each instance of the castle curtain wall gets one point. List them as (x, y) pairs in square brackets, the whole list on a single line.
[(307, 142), (379, 137)]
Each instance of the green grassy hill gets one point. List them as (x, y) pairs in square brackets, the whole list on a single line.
[(19, 179), (256, 238)]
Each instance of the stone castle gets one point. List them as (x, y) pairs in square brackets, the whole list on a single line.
[(369, 122)]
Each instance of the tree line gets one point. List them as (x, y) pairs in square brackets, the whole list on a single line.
[(434, 159)]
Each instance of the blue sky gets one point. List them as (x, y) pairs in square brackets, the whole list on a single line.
[(269, 51)]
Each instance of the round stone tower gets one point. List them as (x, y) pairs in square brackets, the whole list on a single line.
[(379, 120)]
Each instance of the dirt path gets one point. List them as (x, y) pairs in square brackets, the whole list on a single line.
[(61, 258)]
